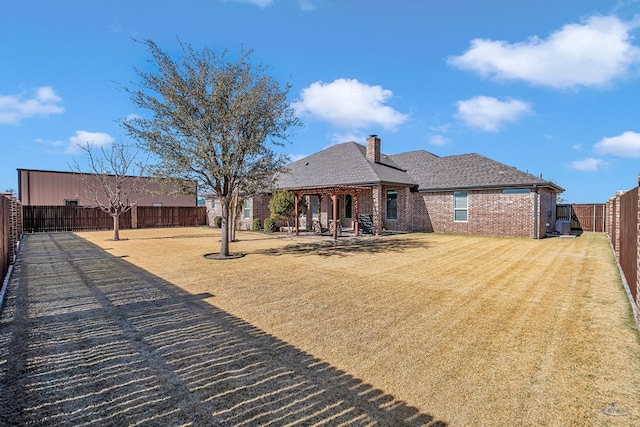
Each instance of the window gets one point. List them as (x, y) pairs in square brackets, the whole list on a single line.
[(347, 206), (247, 209), (460, 206), (156, 205), (314, 207), (515, 191), (392, 204), (73, 202)]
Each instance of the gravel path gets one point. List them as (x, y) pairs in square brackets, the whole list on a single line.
[(89, 339)]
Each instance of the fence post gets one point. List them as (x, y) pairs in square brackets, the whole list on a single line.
[(134, 217), (15, 224), (617, 230), (637, 284)]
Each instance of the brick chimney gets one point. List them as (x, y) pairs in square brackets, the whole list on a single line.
[(373, 149)]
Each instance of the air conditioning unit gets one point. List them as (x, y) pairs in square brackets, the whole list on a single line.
[(563, 226)]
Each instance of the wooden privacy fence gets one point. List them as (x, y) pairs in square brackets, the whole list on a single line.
[(79, 218), (622, 229), (585, 217), (69, 218), (151, 216)]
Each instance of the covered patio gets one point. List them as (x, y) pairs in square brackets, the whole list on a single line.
[(332, 191)]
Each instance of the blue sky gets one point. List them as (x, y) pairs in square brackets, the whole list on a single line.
[(549, 87)]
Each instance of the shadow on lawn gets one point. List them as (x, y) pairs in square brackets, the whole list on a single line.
[(343, 247), (89, 339)]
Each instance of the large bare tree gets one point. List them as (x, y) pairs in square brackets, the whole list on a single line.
[(114, 181), (213, 119)]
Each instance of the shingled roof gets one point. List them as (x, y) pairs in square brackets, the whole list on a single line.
[(347, 164), (343, 164), (465, 171)]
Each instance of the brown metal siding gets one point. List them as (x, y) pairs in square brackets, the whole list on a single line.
[(49, 188)]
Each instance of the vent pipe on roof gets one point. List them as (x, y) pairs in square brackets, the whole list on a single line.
[(373, 149)]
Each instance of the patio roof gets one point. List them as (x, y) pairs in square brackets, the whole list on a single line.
[(332, 191), (328, 190)]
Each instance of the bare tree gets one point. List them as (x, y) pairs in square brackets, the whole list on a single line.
[(110, 183), (214, 120)]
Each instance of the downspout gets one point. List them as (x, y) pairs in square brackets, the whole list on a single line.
[(535, 212)]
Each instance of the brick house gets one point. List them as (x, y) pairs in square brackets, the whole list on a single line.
[(415, 191)]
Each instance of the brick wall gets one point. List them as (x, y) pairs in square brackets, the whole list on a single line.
[(15, 224), (490, 212), (623, 229), (405, 207), (546, 211), (214, 208), (258, 208), (10, 230)]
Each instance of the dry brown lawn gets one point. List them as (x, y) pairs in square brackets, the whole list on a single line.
[(472, 330)]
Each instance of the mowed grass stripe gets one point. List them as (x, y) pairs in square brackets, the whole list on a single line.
[(473, 330)]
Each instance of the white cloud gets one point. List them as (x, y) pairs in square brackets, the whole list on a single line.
[(349, 104), (259, 3), (625, 145), (49, 143), (305, 5), (589, 54), (589, 164), (296, 157), (488, 113), (338, 138), (15, 108), (441, 128), (439, 140), (82, 138)]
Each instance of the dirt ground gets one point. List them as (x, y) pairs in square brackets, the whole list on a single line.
[(469, 330)]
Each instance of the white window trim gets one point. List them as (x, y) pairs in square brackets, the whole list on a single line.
[(386, 207), (456, 209), (246, 209)]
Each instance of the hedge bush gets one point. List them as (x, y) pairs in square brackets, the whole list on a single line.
[(217, 221), (269, 225), (256, 224)]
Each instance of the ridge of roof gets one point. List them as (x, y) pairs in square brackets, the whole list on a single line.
[(342, 164), (471, 170), (346, 163)]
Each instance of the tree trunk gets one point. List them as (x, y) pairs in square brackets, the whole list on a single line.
[(233, 218), (116, 227), (224, 228)]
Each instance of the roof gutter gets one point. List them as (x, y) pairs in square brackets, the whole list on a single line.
[(494, 187)]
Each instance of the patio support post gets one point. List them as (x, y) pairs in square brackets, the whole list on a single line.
[(334, 198), (320, 211), (356, 225), (297, 220)]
